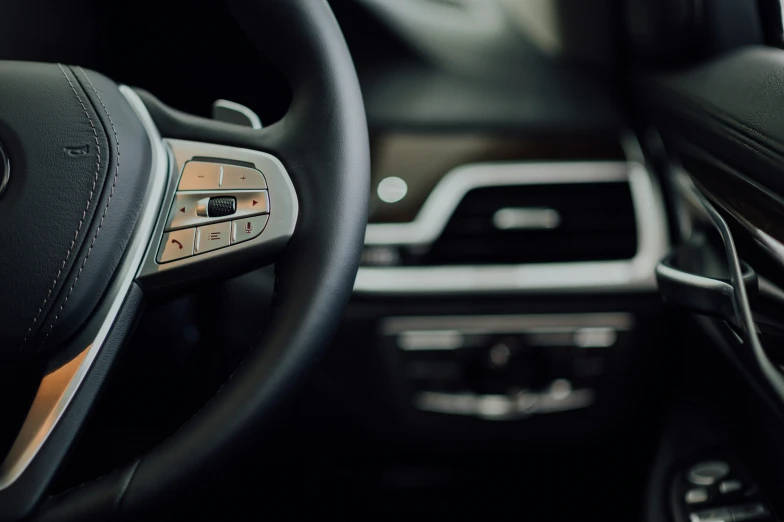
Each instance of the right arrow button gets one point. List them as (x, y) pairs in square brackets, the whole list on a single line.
[(252, 202)]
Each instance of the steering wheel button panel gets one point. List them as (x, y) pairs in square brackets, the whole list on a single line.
[(195, 208), (247, 228), (212, 237), (176, 245), (230, 225)]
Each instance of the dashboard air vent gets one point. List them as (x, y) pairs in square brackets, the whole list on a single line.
[(536, 224)]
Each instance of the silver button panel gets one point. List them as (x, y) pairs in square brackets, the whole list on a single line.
[(253, 181), (190, 230)]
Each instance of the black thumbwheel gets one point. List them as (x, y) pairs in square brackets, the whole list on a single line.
[(222, 206)]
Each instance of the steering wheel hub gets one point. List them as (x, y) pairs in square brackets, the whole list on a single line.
[(81, 164)]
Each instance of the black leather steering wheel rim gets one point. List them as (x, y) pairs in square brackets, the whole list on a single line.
[(323, 143)]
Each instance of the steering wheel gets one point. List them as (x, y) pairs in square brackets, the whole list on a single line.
[(109, 196)]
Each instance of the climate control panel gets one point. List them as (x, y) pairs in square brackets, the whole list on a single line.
[(507, 367)]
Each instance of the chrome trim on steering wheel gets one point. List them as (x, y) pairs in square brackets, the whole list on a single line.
[(58, 388), (5, 170)]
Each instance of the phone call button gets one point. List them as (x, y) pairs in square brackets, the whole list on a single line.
[(176, 245)]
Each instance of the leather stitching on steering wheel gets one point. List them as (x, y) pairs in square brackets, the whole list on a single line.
[(84, 213), (105, 209)]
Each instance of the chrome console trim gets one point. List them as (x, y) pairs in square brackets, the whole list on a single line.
[(636, 274), (583, 330), (58, 388), (560, 397), (471, 332), (481, 324)]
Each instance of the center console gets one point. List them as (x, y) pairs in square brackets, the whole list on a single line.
[(506, 287), (506, 367)]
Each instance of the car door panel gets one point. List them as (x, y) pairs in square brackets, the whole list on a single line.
[(716, 132)]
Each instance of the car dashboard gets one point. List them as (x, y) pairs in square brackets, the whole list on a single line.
[(505, 316)]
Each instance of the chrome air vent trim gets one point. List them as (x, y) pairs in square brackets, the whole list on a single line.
[(636, 274)]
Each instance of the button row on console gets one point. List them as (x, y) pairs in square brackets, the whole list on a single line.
[(179, 244)]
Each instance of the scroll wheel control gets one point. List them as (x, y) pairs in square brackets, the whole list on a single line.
[(222, 206)]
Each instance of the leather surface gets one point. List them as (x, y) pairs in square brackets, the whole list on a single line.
[(69, 207), (323, 143), (730, 106)]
